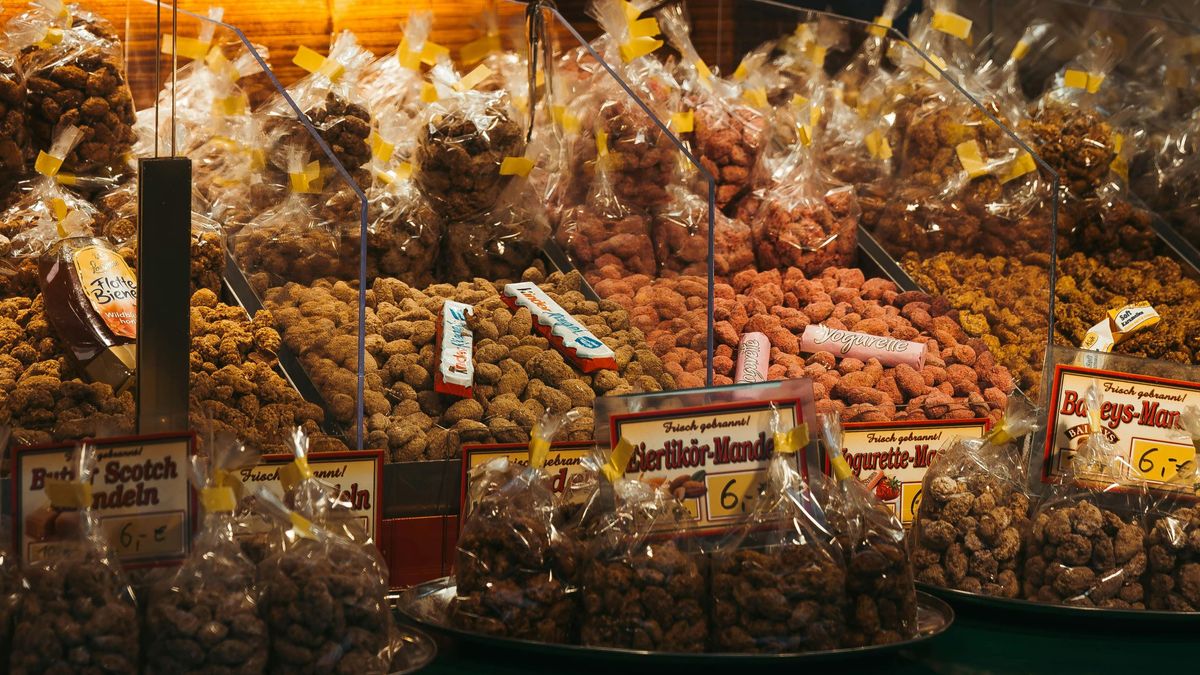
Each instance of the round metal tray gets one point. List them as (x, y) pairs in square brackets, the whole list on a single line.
[(412, 650), (426, 605), (1049, 610)]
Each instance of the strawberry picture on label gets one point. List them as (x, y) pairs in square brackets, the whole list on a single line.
[(888, 489)]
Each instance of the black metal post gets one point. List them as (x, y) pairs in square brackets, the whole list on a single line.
[(164, 293)]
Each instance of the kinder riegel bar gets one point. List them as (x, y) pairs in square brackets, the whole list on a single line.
[(846, 344), (567, 335), (455, 369), (754, 357)]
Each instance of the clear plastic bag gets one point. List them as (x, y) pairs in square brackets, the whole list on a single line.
[(644, 586), (804, 220), (392, 84), (76, 604), (606, 230), (970, 528), (10, 588), (499, 243), (868, 61), (323, 598), (1087, 542), (779, 579), (73, 62), (1173, 543), (727, 131), (680, 234), (204, 617), (463, 140), (516, 576), (14, 130), (879, 576), (331, 100), (289, 243), (44, 210)]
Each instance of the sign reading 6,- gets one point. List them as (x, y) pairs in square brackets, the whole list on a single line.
[(1164, 462), (732, 494)]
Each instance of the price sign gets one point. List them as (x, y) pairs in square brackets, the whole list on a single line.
[(733, 495), (709, 447), (910, 502), (891, 458), (357, 475), (141, 497), (1140, 416), (1162, 461)]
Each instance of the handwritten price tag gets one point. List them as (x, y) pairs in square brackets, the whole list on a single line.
[(145, 536), (731, 495), (910, 502), (1159, 461)]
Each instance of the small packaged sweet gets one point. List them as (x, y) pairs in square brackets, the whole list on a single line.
[(73, 61), (204, 618), (76, 605), (970, 529), (881, 597), (779, 579), (516, 576)]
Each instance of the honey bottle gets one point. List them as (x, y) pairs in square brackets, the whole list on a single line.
[(91, 302)]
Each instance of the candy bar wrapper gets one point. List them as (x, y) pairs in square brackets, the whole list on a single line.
[(846, 344), (455, 373), (516, 575), (568, 336), (879, 575), (754, 356), (75, 599), (970, 530), (73, 62), (205, 617), (788, 556)]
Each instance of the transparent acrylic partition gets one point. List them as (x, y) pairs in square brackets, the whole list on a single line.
[(872, 141), (450, 98), (279, 224), (1121, 131)]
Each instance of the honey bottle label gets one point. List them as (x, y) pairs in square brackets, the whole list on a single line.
[(110, 286)]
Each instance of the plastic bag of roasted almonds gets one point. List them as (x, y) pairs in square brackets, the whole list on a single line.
[(879, 577), (727, 130), (779, 579), (1087, 540), (204, 618), (73, 62), (498, 243), (77, 612), (329, 97), (970, 528), (10, 588), (644, 586), (516, 576), (14, 130), (463, 140), (1173, 544), (323, 598)]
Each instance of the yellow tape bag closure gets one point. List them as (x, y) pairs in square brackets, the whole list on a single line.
[(880, 26), (290, 475), (971, 158), (614, 468), (1078, 79), (317, 64), (68, 494), (789, 442), (953, 24)]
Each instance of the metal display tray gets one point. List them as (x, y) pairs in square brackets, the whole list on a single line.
[(426, 605), (1017, 609)]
